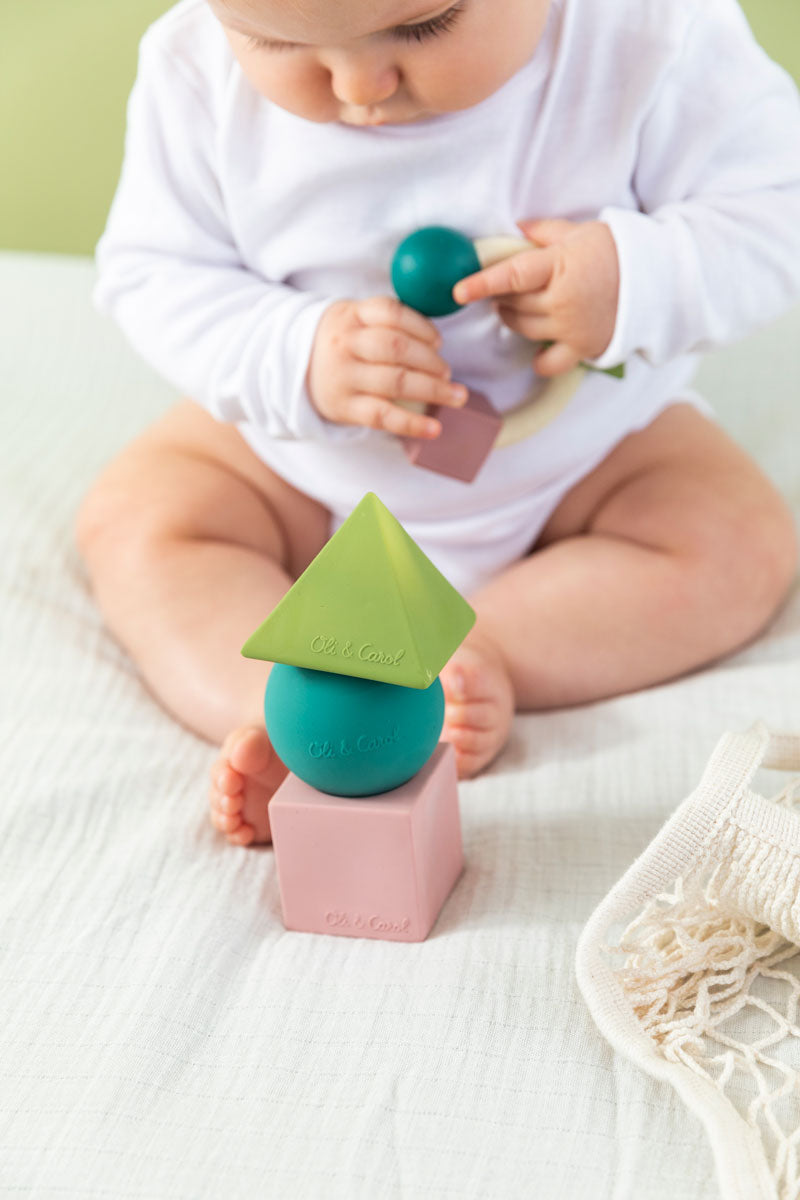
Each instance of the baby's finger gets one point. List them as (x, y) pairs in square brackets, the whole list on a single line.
[(535, 329), (397, 383), (555, 360), (528, 271), (546, 231), (386, 310), (378, 344), (378, 413), (535, 304)]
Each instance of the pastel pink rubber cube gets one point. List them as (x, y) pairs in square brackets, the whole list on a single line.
[(461, 449), (376, 867)]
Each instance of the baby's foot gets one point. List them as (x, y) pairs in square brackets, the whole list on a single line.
[(243, 780), (479, 705)]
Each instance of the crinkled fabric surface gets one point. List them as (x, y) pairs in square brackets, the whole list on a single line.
[(161, 1035)]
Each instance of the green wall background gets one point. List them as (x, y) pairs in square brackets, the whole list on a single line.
[(66, 67)]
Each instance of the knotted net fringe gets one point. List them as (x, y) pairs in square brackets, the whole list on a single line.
[(699, 980)]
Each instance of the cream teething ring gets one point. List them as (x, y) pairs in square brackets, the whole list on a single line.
[(537, 411)]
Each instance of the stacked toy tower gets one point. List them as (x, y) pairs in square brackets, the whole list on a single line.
[(366, 826)]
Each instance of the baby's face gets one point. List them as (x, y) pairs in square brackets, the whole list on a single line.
[(375, 62)]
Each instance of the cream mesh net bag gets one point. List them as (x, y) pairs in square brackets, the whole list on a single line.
[(691, 968)]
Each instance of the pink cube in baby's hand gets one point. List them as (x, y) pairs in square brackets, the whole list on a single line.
[(376, 867), (461, 449)]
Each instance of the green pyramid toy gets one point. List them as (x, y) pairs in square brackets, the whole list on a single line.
[(371, 604)]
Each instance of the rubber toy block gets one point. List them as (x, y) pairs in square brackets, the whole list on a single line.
[(428, 264), (351, 737), (371, 604), (461, 449), (371, 868)]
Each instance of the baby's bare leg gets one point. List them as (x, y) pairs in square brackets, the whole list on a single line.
[(190, 541), (673, 552)]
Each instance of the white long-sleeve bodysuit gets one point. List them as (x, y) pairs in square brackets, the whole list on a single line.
[(236, 223)]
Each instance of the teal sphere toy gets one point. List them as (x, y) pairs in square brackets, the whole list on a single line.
[(428, 264), (350, 736)]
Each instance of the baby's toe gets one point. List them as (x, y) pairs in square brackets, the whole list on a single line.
[(226, 798), (225, 780), (232, 823), (474, 749), (243, 781), (223, 805), (480, 714), (479, 706), (251, 754), (243, 836), (225, 822)]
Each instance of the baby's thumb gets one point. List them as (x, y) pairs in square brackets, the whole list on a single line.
[(546, 232)]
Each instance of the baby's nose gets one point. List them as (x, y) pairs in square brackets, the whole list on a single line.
[(361, 81)]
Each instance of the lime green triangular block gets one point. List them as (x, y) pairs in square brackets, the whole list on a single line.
[(371, 604)]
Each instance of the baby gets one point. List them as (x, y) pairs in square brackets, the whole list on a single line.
[(276, 154)]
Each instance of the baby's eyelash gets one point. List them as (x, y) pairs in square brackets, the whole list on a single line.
[(257, 43), (425, 29), (404, 33)]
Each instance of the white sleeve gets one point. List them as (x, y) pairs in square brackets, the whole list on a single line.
[(171, 276), (714, 251)]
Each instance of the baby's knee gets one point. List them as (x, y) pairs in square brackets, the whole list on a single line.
[(775, 554), (159, 493), (92, 519), (102, 523), (118, 523), (752, 565)]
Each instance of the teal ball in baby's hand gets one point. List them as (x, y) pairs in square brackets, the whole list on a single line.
[(349, 736), (428, 264)]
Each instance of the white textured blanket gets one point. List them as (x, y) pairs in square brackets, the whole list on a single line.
[(161, 1035)]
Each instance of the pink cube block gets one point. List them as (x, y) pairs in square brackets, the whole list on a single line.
[(467, 436), (378, 867)]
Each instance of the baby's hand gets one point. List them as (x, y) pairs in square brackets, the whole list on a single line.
[(369, 354), (564, 292)]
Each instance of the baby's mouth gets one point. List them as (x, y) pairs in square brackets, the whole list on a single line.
[(371, 115)]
